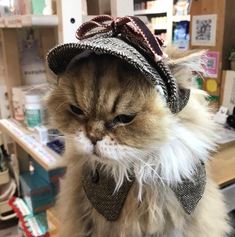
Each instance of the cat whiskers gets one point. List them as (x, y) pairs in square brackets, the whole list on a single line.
[(148, 165), (130, 160)]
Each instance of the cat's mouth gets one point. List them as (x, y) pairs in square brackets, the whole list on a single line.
[(96, 152)]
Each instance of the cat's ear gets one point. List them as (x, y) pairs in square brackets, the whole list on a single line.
[(185, 64)]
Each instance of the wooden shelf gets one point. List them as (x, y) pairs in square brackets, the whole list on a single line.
[(19, 21), (47, 158), (223, 165), (181, 18), (150, 12)]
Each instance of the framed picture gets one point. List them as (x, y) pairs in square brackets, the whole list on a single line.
[(204, 30), (228, 90)]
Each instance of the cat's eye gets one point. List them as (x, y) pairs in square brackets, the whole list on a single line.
[(76, 110), (123, 118), (120, 119)]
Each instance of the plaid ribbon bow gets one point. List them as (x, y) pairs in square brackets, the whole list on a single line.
[(129, 28)]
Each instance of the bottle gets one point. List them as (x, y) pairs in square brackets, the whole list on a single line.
[(34, 111)]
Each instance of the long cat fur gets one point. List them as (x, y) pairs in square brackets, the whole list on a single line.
[(158, 147)]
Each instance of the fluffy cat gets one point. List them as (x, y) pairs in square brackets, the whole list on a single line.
[(112, 117)]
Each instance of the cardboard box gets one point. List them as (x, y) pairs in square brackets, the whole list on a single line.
[(37, 193), (30, 224), (52, 177)]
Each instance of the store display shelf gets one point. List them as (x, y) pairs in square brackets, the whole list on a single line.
[(181, 18), (224, 160), (159, 27), (47, 158), (19, 21), (150, 11)]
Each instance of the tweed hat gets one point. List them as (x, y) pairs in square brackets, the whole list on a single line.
[(127, 38)]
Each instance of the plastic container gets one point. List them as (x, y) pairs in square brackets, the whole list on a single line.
[(34, 111), (38, 6)]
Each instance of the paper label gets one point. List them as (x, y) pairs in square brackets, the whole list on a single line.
[(33, 117)]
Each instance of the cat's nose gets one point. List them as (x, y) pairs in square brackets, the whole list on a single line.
[(94, 139), (95, 131)]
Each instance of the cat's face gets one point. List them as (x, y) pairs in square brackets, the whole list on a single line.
[(111, 114), (108, 108)]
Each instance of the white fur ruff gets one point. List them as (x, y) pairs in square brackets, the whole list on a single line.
[(166, 164)]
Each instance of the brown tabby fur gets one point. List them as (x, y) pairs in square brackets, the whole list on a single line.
[(104, 87)]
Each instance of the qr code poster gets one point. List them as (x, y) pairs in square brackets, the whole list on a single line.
[(204, 30)]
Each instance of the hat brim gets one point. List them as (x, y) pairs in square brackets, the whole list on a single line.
[(59, 57)]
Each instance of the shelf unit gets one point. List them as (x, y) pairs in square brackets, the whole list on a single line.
[(166, 10), (181, 18), (18, 21), (149, 12), (50, 30), (54, 29), (47, 158)]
